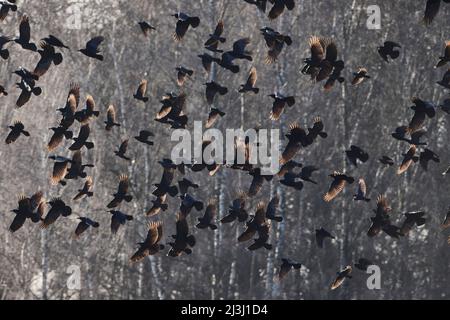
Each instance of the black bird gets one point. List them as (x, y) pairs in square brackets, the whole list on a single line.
[(207, 221), (321, 235), (151, 245), (111, 121), (183, 23), (81, 140), (386, 161), (165, 186), (48, 56), (141, 91), (212, 89), (27, 85), (58, 208), (316, 131), (55, 42), (60, 169), (23, 212), (257, 221), (158, 205), (123, 150), (25, 35), (356, 153), (92, 48), (363, 264), (279, 6), (272, 208), (422, 109), (280, 102), (336, 75), (183, 241), (16, 130), (7, 5), (323, 59), (85, 115), (4, 53), (288, 167), (341, 276), (122, 193), (143, 137), (297, 138), (185, 184), (286, 266), (86, 191), (239, 50), (431, 10), (183, 75), (214, 39), (118, 219), (237, 210), (290, 179), (84, 225), (412, 219), (307, 172), (388, 50), (340, 180), (257, 182), (275, 41), (408, 159), (362, 191), (381, 221), (59, 133), (360, 76), (188, 203), (146, 27), (213, 116), (77, 167), (263, 238), (426, 156), (249, 86)]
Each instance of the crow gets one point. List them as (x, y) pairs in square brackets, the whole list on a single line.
[(212, 89), (184, 21), (286, 266), (85, 224), (388, 50), (426, 156), (6, 6), (122, 193), (412, 219), (213, 116), (297, 138), (151, 245), (58, 208), (146, 28), (183, 241), (92, 48), (360, 76), (280, 102), (118, 219), (237, 209), (214, 39), (16, 130), (386, 161), (279, 6), (431, 10), (183, 75), (207, 221), (356, 153), (55, 42), (86, 191), (249, 86), (272, 208), (25, 35), (123, 150), (81, 140), (408, 159), (340, 180), (141, 91), (4, 53), (48, 56), (111, 121), (85, 115), (362, 191), (341, 276), (143, 137)]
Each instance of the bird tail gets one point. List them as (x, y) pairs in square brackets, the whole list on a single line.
[(255, 90), (323, 135), (277, 219), (268, 246), (89, 145), (213, 227), (128, 198), (164, 206), (441, 63), (25, 133), (145, 99), (96, 113), (234, 69), (190, 240)]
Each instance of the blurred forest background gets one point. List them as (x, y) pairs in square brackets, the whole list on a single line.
[(36, 264)]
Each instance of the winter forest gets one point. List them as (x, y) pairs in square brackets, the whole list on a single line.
[(371, 191)]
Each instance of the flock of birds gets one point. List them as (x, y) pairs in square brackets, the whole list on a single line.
[(323, 65)]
